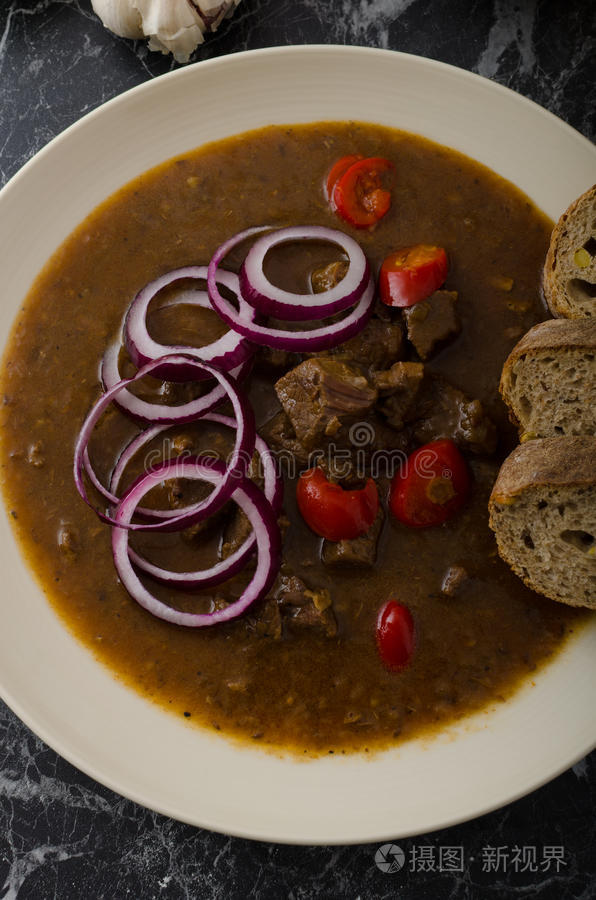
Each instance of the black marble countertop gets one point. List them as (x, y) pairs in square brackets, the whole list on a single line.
[(61, 834)]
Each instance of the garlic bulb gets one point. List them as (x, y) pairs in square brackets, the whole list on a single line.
[(171, 26)]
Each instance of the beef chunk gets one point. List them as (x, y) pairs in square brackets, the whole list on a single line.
[(401, 376), (321, 395), (289, 590), (291, 605), (327, 277), (360, 552), (308, 615), (432, 322), (237, 530), (443, 411), (279, 433), (375, 442), (377, 346), (264, 618), (303, 608), (371, 448), (453, 579), (398, 388)]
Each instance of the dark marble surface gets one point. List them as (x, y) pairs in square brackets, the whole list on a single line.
[(61, 834)]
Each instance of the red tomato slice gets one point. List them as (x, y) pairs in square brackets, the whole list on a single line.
[(395, 635), (337, 170), (412, 274), (359, 196), (434, 486), (331, 511)]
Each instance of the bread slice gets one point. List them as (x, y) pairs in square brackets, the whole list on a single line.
[(569, 279), (549, 379), (543, 512)]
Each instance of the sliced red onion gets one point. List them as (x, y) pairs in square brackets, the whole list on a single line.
[(237, 468), (139, 441), (322, 338), (254, 505), (131, 449), (158, 413), (273, 483), (273, 301), (273, 486), (227, 352), (272, 489)]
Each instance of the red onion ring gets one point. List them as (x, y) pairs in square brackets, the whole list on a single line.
[(272, 488), (273, 301), (237, 468), (227, 352), (273, 483), (258, 511), (158, 413), (127, 454), (299, 341)]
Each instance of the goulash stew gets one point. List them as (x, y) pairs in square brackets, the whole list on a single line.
[(250, 424)]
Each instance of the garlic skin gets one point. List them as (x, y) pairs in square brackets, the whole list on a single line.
[(120, 17), (213, 11), (171, 26)]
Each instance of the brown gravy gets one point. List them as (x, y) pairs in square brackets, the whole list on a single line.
[(305, 692)]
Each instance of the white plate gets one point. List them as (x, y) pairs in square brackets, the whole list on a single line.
[(57, 687)]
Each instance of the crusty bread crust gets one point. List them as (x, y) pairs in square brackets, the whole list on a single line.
[(543, 512), (576, 226), (551, 461), (555, 336)]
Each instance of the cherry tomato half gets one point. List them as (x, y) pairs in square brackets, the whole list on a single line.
[(434, 486), (331, 511), (412, 274), (337, 169), (395, 635), (358, 195)]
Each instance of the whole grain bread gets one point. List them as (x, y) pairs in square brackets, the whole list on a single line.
[(549, 379), (569, 279), (543, 512)]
